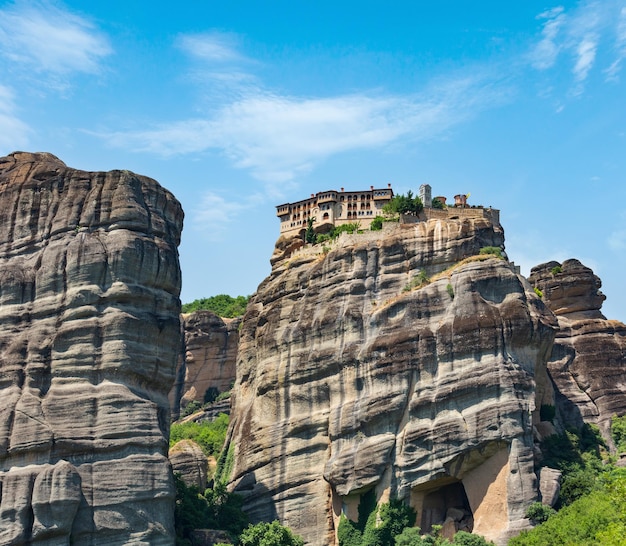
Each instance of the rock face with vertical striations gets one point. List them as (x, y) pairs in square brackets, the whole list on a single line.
[(588, 361), (89, 334), (208, 357), (353, 375)]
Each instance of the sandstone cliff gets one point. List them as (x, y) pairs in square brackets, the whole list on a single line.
[(353, 376), (208, 357), (89, 334), (588, 360)]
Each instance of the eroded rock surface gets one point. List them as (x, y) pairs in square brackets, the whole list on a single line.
[(208, 359), (349, 378), (89, 334), (588, 361), (190, 462)]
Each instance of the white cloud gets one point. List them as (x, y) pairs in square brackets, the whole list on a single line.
[(214, 214), (586, 54), (580, 33), (217, 47), (620, 47), (47, 38), (276, 137), (13, 131), (547, 49)]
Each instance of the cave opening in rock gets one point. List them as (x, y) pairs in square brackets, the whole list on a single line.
[(447, 506)]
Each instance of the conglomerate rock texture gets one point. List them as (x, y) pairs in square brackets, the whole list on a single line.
[(208, 357), (89, 334), (352, 377), (588, 361)]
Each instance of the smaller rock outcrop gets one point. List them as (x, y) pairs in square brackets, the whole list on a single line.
[(189, 461), (208, 357), (588, 360)]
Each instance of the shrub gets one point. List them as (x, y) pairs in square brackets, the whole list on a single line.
[(618, 432), (222, 305), (450, 291), (377, 223), (269, 534), (538, 292), (404, 204), (210, 436), (495, 250), (216, 509), (437, 204), (538, 512), (556, 269), (310, 236), (463, 538), (592, 519)]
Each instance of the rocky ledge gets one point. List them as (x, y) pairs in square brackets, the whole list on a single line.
[(89, 334)]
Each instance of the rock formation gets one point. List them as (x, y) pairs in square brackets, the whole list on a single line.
[(190, 462), (208, 357), (588, 361), (89, 334), (356, 373)]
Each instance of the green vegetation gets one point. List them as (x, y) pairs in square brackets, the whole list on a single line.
[(411, 536), (421, 279), (538, 292), (618, 432), (437, 204), (450, 290), (403, 204), (225, 465), (593, 493), (578, 455), (556, 269), (310, 236), (538, 512), (377, 223), (493, 250), (209, 436), (222, 305), (350, 228), (269, 534), (215, 509), (391, 524), (596, 518), (375, 526)]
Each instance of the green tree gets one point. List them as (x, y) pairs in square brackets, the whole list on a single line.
[(404, 204), (377, 223), (222, 305), (411, 536), (209, 435), (463, 538), (269, 534), (538, 512), (437, 204), (310, 236), (618, 432)]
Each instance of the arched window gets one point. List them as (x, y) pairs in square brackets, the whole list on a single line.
[(325, 217)]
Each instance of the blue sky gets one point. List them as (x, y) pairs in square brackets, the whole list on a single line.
[(240, 106)]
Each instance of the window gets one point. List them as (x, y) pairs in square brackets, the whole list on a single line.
[(325, 217)]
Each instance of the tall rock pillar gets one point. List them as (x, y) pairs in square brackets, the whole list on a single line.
[(89, 334)]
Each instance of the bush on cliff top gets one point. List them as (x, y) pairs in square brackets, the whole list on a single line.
[(210, 436), (222, 305)]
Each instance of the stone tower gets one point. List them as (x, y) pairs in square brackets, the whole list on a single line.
[(426, 195)]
